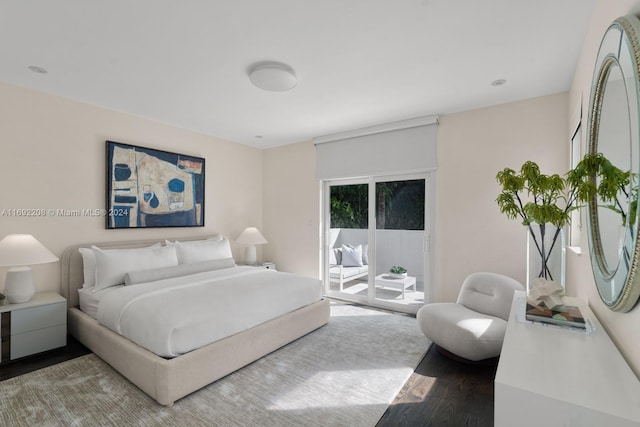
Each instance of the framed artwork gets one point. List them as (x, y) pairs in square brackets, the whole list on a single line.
[(153, 188)]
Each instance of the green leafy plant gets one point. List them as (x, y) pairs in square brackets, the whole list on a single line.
[(613, 184), (396, 269), (538, 199)]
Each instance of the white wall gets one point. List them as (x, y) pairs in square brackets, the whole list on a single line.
[(622, 327), (472, 147), (52, 155), (472, 234), (292, 209)]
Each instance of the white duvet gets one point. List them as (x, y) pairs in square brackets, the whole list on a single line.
[(174, 316)]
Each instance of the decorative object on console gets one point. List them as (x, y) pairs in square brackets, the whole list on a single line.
[(547, 293), (153, 188), (565, 315), (545, 215), (251, 237), (398, 272), (19, 251), (541, 215)]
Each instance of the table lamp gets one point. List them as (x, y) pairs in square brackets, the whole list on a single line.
[(251, 237), (19, 251)]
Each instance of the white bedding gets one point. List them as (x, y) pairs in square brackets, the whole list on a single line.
[(174, 316), (90, 299)]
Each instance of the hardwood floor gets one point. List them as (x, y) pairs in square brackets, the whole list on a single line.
[(441, 391), (444, 392), (25, 365)]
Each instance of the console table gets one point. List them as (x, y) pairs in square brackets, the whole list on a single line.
[(553, 376)]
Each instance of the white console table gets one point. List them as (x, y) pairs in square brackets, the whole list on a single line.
[(551, 376)]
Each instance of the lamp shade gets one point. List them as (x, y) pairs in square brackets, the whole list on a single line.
[(18, 251), (251, 236), (23, 249)]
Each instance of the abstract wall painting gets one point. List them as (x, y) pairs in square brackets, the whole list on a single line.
[(153, 188)]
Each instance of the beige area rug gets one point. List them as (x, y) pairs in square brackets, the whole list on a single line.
[(344, 374)]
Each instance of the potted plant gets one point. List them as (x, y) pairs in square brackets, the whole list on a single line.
[(398, 272), (543, 202)]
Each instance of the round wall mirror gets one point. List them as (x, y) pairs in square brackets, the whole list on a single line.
[(614, 132)]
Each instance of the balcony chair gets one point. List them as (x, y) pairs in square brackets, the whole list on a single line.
[(347, 263)]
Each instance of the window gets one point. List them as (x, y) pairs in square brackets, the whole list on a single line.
[(575, 155)]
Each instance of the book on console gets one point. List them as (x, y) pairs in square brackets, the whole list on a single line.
[(566, 315)]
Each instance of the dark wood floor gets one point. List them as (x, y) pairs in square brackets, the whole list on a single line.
[(22, 366), (444, 392), (441, 391)]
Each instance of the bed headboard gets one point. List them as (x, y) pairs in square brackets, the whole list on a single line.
[(71, 269)]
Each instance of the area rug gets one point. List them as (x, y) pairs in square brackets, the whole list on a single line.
[(344, 374)]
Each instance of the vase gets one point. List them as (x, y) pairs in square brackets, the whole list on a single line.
[(398, 275), (545, 253)]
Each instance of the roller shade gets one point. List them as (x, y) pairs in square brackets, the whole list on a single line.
[(409, 145)]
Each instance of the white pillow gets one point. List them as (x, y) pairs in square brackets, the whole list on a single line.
[(89, 262), (332, 257), (335, 256), (189, 254), (143, 276), (112, 265), (88, 267), (365, 254), (217, 238), (352, 256)]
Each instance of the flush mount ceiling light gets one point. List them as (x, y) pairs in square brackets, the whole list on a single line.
[(273, 76), (37, 69)]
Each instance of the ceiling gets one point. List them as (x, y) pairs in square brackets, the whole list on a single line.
[(359, 63)]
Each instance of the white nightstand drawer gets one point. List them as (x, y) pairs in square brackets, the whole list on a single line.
[(41, 317), (31, 327), (37, 341)]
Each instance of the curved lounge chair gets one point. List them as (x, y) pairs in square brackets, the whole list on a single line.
[(473, 328)]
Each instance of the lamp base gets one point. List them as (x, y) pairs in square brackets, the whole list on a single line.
[(18, 285), (250, 255)]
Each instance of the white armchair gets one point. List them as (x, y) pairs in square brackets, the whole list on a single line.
[(473, 328)]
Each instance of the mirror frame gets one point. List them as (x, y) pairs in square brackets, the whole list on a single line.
[(629, 29)]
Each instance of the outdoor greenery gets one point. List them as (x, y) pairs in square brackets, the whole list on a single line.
[(539, 199), (349, 206), (399, 205)]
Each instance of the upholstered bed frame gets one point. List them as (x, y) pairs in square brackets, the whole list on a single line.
[(167, 380)]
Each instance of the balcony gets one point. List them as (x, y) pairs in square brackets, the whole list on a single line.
[(393, 247)]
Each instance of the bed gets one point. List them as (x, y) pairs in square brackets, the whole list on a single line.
[(182, 371)]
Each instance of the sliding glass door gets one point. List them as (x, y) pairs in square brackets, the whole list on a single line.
[(376, 241), (347, 251)]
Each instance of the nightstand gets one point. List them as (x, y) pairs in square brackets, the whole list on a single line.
[(268, 265), (33, 327)]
